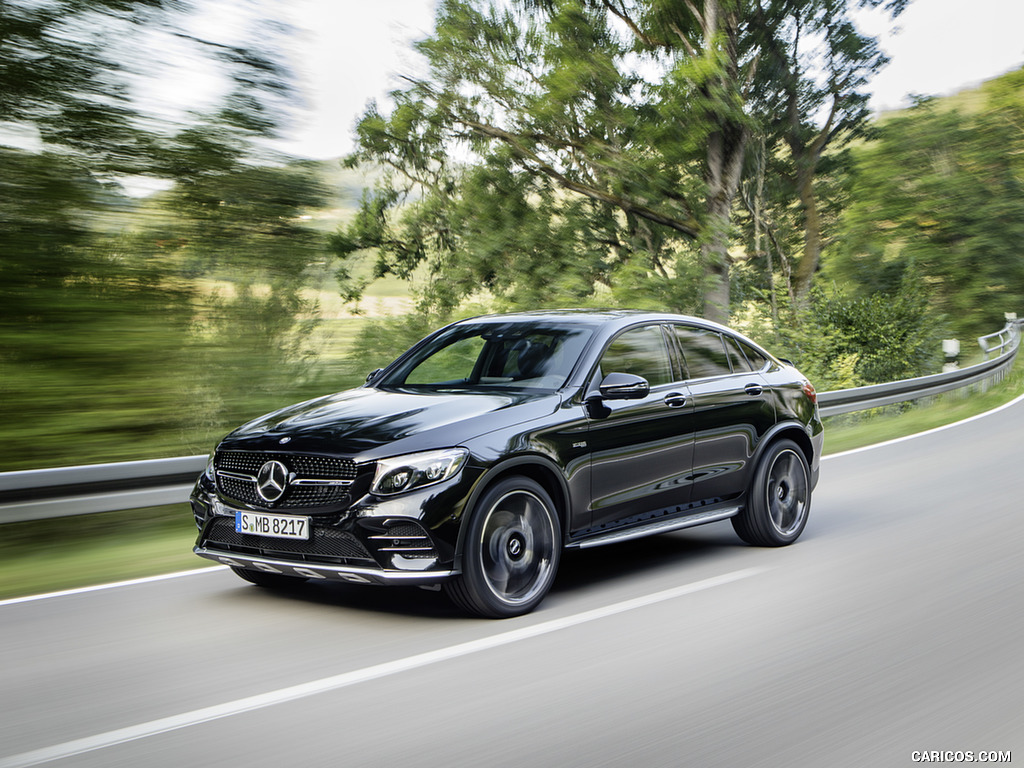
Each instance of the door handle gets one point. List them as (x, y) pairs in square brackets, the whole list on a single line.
[(675, 399), (753, 389)]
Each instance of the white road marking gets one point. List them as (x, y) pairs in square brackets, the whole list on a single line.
[(98, 587), (932, 431), (291, 693)]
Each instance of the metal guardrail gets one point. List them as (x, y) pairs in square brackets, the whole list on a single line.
[(877, 395), (38, 494), (1007, 337)]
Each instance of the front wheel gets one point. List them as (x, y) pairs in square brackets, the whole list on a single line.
[(779, 498), (510, 552)]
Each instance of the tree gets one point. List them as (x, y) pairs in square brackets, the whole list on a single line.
[(627, 119), (941, 192), (60, 76), (540, 95), (104, 333), (810, 97)]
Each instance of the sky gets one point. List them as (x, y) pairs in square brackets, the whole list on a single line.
[(352, 51)]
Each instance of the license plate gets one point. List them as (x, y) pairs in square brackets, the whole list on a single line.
[(277, 526)]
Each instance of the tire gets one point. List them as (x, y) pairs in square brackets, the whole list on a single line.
[(268, 580), (510, 552), (779, 498)]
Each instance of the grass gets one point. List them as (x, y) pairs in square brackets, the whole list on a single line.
[(64, 553), (49, 555), (843, 433)]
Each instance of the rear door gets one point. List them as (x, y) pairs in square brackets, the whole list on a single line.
[(732, 410)]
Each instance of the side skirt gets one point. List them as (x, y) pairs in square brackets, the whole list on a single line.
[(655, 527)]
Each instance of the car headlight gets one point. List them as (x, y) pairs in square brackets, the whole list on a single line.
[(209, 467), (417, 470)]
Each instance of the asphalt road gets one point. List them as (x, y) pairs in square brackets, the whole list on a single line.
[(895, 626)]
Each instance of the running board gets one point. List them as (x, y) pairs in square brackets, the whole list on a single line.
[(661, 526)]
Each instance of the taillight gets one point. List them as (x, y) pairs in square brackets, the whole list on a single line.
[(808, 390)]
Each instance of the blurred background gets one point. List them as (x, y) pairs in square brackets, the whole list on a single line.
[(213, 208), (210, 210)]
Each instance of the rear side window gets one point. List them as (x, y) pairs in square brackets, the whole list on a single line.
[(704, 353), (640, 351), (739, 362)]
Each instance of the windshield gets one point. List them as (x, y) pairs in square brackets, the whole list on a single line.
[(534, 355)]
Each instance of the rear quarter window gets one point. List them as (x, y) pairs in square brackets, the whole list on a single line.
[(757, 359), (704, 353), (736, 356)]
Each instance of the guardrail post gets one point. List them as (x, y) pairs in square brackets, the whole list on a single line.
[(951, 349)]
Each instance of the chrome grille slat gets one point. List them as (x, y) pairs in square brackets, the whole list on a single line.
[(406, 538)]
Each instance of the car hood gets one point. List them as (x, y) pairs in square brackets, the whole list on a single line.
[(369, 423)]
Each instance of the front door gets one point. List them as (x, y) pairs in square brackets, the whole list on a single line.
[(641, 450)]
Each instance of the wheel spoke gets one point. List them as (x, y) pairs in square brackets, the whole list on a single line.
[(787, 491), (517, 545)]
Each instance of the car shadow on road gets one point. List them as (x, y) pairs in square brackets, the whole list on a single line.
[(579, 570), (582, 568)]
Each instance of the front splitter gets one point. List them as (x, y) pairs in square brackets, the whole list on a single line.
[(350, 574)]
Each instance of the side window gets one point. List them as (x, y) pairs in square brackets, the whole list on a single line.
[(703, 352), (640, 351), (739, 362), (757, 359)]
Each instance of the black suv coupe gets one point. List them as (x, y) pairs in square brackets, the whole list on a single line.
[(493, 444)]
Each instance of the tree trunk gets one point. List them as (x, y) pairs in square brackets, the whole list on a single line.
[(715, 254), (725, 149), (811, 257), (724, 167)]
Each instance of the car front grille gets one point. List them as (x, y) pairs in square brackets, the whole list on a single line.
[(326, 545), (303, 465), (314, 481)]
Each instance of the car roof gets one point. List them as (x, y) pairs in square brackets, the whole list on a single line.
[(613, 317)]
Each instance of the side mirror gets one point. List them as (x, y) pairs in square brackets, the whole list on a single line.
[(373, 375), (624, 386)]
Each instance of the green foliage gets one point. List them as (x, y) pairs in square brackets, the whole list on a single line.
[(558, 147), (890, 337), (110, 347), (841, 341), (83, 319), (530, 165), (60, 74), (942, 191)]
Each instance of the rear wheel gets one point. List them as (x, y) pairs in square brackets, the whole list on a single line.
[(269, 580), (511, 551), (779, 498)]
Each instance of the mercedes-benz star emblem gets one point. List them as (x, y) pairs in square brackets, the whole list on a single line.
[(271, 480)]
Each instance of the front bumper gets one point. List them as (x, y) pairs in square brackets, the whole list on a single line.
[(405, 540)]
